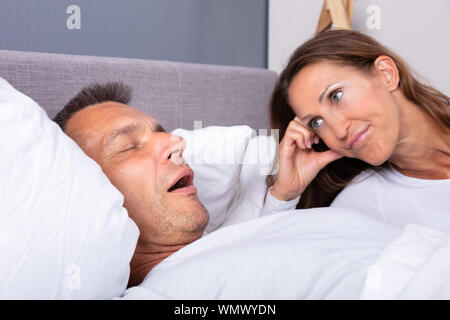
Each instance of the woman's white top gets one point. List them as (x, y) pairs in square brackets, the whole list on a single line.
[(389, 196)]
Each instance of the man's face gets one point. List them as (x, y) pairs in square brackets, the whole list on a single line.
[(144, 162)]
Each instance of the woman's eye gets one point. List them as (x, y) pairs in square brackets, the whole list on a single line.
[(336, 96), (315, 123)]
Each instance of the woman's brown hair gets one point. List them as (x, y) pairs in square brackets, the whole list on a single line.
[(346, 48)]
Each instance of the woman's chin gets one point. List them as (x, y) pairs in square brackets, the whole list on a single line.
[(376, 154), (375, 161)]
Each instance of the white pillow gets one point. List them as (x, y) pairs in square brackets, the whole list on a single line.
[(216, 155), (63, 231), (258, 160)]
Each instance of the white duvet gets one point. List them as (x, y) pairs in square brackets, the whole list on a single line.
[(321, 253), (317, 253), (416, 265)]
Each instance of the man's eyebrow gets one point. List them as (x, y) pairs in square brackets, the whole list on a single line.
[(159, 128), (124, 130)]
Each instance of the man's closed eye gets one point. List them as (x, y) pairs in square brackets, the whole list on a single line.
[(128, 148)]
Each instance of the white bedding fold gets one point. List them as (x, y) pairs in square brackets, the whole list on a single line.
[(416, 265)]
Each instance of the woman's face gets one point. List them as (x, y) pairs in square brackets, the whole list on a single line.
[(338, 103)]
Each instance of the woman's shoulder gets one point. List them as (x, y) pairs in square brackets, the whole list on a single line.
[(361, 194), (391, 175), (368, 176), (364, 189), (377, 181)]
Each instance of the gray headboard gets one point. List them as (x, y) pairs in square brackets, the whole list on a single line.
[(174, 93)]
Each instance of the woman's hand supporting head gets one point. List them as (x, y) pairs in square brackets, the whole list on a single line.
[(298, 162)]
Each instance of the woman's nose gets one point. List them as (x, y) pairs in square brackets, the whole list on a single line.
[(339, 126)]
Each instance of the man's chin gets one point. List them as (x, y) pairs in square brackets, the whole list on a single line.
[(194, 215), (201, 213)]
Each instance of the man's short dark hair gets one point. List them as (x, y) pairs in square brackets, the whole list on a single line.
[(93, 94)]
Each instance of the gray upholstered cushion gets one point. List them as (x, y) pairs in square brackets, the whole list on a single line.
[(174, 93)]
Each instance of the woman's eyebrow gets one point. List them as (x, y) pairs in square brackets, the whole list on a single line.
[(320, 99), (325, 90), (305, 117)]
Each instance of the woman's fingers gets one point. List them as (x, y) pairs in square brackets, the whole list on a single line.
[(296, 168), (291, 139), (298, 138), (308, 136)]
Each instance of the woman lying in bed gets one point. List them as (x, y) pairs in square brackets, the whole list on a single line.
[(349, 108)]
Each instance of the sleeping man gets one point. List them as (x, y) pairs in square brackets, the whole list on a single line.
[(145, 163), (321, 253)]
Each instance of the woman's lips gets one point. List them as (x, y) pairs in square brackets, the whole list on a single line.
[(361, 137)]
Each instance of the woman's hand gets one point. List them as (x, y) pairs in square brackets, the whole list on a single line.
[(298, 163)]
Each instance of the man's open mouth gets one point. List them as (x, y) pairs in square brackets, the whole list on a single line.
[(182, 181)]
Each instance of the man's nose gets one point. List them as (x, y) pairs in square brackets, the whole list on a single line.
[(175, 146)]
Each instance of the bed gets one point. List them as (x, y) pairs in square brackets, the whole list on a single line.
[(54, 247)]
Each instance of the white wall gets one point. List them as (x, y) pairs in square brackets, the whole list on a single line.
[(417, 30)]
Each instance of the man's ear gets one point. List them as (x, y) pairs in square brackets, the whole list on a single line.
[(387, 70)]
